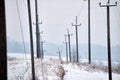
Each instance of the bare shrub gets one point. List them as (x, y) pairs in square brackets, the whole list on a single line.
[(60, 72), (116, 69)]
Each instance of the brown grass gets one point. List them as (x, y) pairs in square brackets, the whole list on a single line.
[(60, 72)]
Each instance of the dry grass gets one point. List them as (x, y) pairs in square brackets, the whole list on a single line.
[(94, 67), (116, 69), (60, 72)]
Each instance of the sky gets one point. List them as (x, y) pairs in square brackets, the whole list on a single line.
[(58, 15)]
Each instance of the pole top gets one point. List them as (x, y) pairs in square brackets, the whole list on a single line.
[(108, 4)]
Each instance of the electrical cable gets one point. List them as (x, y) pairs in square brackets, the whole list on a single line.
[(25, 3), (22, 34)]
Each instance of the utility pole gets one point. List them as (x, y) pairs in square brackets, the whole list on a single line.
[(89, 34), (66, 45), (76, 28), (69, 45), (59, 52), (31, 40), (37, 31), (108, 5), (43, 53), (3, 42), (42, 49)]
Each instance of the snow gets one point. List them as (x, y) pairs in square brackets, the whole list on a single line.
[(79, 73), (19, 68)]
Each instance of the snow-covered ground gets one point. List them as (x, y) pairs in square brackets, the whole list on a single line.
[(74, 72), (19, 68)]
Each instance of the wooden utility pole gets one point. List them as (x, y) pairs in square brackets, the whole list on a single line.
[(69, 45), (37, 31), (3, 45), (76, 31), (31, 40), (59, 52), (66, 45), (108, 36), (89, 34), (42, 48)]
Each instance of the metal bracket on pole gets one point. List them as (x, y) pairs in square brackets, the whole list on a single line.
[(38, 23)]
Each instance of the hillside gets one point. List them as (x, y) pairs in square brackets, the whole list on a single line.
[(50, 50)]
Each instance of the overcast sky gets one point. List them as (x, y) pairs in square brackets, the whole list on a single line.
[(58, 15)]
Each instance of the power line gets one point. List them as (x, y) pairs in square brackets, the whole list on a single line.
[(41, 15), (20, 25), (25, 3), (117, 17), (81, 10), (18, 10), (22, 34)]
